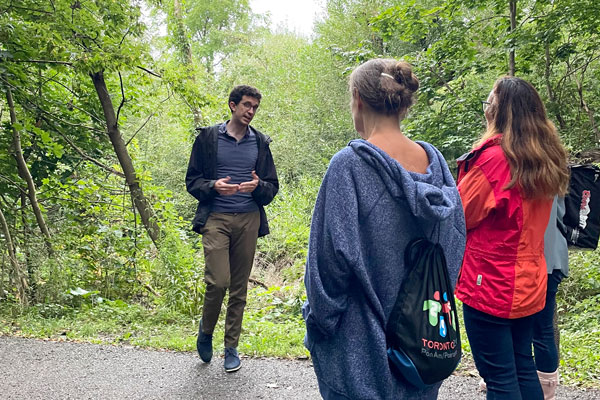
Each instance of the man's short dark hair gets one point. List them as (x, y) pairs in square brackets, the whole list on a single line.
[(243, 90)]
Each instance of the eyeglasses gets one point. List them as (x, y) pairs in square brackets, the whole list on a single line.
[(248, 105), (485, 105)]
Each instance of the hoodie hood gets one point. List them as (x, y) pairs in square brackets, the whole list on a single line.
[(430, 196)]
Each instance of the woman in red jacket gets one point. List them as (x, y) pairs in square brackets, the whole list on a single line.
[(507, 184)]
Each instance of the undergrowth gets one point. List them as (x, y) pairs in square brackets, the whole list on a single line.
[(272, 325)]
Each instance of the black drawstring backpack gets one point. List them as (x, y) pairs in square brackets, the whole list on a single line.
[(422, 333), (581, 223)]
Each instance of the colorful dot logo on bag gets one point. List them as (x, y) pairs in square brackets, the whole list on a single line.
[(435, 308), (443, 330)]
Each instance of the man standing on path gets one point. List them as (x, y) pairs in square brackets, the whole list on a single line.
[(232, 175)]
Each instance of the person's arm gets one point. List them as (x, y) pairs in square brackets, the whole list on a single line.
[(197, 185), (268, 184), (333, 250), (477, 196), (563, 245)]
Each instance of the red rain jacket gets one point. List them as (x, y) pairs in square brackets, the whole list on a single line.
[(504, 270)]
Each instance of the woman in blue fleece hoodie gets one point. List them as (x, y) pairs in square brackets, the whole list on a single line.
[(378, 194)]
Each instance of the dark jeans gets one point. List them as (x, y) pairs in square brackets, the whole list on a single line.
[(502, 352), (544, 343), (229, 241)]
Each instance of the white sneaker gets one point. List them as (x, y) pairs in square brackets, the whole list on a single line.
[(482, 385)]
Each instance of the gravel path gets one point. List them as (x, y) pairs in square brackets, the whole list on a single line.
[(36, 369)]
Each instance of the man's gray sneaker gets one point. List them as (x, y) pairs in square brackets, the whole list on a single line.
[(204, 345), (232, 360)]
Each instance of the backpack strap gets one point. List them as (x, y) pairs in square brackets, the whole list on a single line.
[(466, 160)]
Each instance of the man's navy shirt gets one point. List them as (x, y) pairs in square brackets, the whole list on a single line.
[(237, 160)]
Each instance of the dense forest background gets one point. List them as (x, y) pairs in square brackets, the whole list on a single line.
[(98, 104)]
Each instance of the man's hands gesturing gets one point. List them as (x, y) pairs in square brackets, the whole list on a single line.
[(248, 187), (224, 188)]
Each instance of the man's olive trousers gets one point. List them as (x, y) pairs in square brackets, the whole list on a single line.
[(229, 241)]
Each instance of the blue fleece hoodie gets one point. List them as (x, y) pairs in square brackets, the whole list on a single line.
[(368, 209)]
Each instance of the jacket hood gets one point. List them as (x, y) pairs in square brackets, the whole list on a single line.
[(430, 196)]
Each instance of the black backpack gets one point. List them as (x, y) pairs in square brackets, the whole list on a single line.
[(422, 333), (581, 223)]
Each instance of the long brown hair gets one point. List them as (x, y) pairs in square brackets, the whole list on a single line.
[(537, 158)]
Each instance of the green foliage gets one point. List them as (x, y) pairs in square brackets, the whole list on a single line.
[(118, 322), (178, 273), (307, 122), (289, 222), (578, 306), (273, 323)]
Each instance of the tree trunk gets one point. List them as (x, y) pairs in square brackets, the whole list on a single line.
[(141, 202), (28, 259), (20, 279), (587, 109), (2, 278), (186, 55), (551, 96), (25, 174), (183, 44), (513, 27)]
